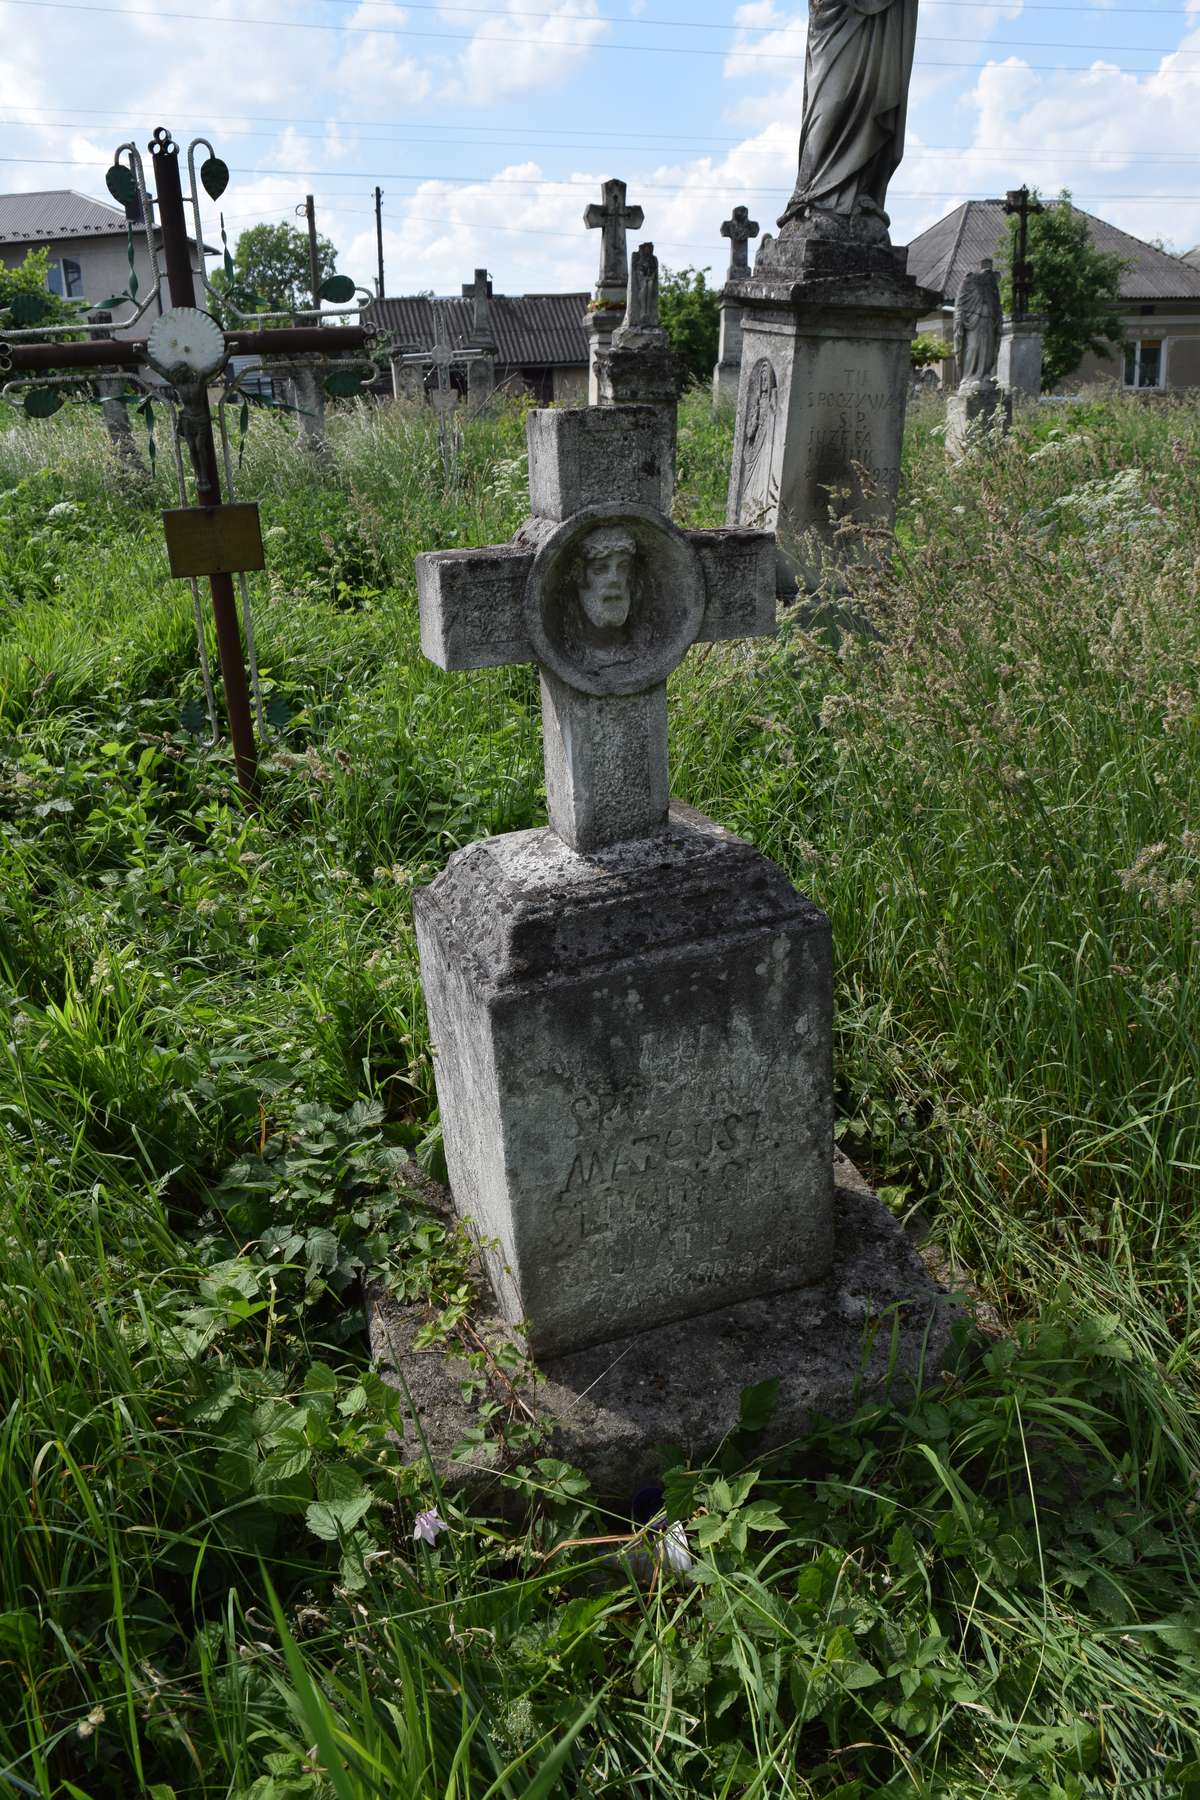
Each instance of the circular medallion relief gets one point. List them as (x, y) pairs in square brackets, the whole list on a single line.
[(614, 600), (185, 345)]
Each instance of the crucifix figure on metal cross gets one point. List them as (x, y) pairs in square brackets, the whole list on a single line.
[(438, 360), (185, 352), (612, 218), (606, 596), (1021, 205), (739, 229)]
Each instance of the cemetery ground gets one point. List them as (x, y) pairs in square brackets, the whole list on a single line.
[(214, 1067)]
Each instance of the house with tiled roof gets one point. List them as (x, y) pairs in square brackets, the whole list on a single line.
[(1160, 295), (88, 241), (541, 345)]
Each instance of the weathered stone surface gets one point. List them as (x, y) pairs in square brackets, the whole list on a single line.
[(589, 456), (728, 368), (633, 1064), (875, 1323), (972, 414), (825, 377), (1019, 370), (978, 317)]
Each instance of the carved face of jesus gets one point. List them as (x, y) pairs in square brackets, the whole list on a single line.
[(605, 591)]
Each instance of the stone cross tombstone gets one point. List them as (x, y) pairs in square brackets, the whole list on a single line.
[(481, 370), (980, 405), (631, 1008), (637, 366), (829, 310), (739, 228), (612, 218)]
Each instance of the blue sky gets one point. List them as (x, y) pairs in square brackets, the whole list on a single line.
[(491, 126)]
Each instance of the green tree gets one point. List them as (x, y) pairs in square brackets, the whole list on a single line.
[(690, 310), (1076, 286), (25, 299), (269, 270), (928, 348)]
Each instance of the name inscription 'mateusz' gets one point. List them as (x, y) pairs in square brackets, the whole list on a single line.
[(675, 1200)]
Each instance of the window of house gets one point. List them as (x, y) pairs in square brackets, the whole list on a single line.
[(1143, 363), (66, 279)]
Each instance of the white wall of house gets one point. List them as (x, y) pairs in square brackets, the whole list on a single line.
[(103, 263)]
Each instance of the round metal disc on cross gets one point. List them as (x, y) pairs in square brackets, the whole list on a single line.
[(186, 345)]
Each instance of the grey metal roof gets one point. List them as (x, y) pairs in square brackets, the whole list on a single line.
[(53, 213), (532, 331), (941, 256), (1193, 257)]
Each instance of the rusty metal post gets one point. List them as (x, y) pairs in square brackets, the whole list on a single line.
[(177, 257), (314, 260)]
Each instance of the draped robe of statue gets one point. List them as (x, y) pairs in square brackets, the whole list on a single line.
[(856, 79), (978, 320)]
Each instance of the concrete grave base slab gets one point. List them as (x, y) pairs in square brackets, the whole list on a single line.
[(877, 1323), (973, 414)]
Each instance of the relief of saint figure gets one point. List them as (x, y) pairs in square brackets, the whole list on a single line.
[(978, 320), (604, 589), (756, 500), (856, 79)]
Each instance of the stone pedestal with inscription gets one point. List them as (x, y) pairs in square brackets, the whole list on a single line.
[(634, 1071), (1022, 347), (826, 370), (972, 414)]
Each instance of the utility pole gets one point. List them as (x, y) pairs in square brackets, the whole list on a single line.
[(379, 240), (314, 261)]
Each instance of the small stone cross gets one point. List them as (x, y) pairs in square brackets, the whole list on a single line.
[(606, 596), (440, 358), (739, 230), (612, 218)]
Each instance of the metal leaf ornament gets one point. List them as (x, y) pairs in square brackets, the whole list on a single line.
[(27, 309), (214, 177), (344, 384), (40, 403), (121, 185), (337, 288)]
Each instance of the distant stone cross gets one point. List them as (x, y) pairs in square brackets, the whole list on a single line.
[(479, 292), (739, 229), (440, 358), (612, 218), (606, 596)]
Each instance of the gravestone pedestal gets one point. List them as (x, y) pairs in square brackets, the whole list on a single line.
[(728, 368), (634, 1071), (1022, 345), (308, 397), (826, 371), (972, 413)]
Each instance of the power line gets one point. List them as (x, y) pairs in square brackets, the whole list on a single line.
[(708, 25), (580, 186), (604, 142), (460, 37)]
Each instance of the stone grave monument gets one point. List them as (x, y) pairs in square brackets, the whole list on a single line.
[(980, 404), (612, 218), (481, 370), (631, 1008), (637, 367), (1019, 366), (739, 228), (829, 312)]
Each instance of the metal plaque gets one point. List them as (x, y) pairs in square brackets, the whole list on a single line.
[(214, 540)]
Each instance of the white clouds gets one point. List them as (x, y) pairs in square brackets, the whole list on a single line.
[(516, 52)]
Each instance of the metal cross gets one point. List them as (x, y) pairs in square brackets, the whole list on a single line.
[(215, 540), (612, 218), (1021, 205), (438, 361)]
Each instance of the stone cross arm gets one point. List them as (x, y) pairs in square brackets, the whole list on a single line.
[(606, 603), (472, 602), (739, 230)]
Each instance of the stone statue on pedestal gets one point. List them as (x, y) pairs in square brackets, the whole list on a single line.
[(859, 63), (978, 319)]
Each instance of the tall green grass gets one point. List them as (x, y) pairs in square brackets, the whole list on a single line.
[(214, 1063)]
